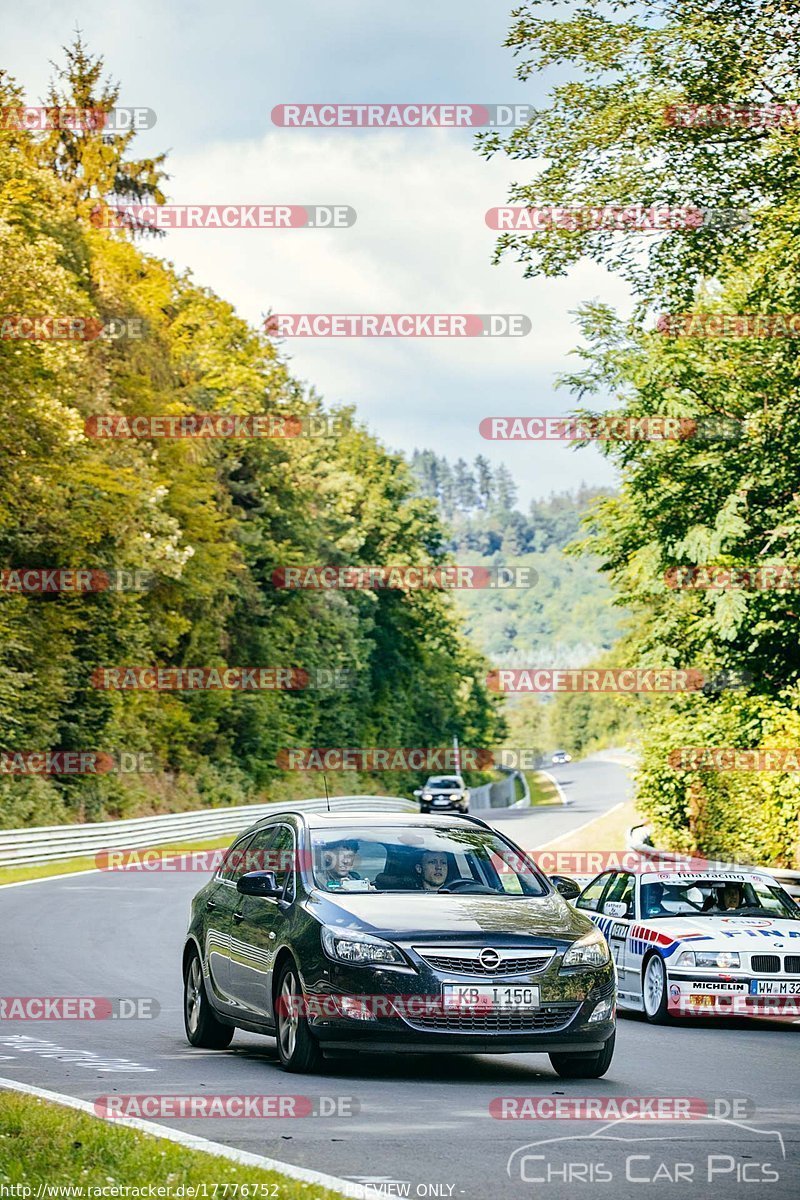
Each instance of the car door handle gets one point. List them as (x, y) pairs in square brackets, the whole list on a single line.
[(238, 916)]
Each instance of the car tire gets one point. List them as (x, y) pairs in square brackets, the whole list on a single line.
[(298, 1050), (201, 1025), (584, 1066), (654, 991)]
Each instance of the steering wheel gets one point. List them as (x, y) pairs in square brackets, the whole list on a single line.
[(467, 885)]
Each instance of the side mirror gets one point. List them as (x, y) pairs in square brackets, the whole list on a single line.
[(418, 792), (615, 908), (566, 887), (259, 883)]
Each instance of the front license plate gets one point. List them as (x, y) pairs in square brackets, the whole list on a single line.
[(443, 800), (774, 987), (488, 996)]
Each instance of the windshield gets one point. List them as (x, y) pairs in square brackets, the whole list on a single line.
[(445, 782), (712, 897), (462, 859)]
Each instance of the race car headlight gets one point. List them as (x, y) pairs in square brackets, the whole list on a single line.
[(350, 946), (589, 951), (427, 795), (708, 958)]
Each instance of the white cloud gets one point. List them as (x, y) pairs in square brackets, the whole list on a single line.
[(420, 244)]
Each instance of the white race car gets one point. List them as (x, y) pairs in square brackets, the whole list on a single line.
[(714, 943)]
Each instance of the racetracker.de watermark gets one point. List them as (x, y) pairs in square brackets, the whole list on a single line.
[(615, 1108), (406, 115), (215, 1106), (552, 862), (390, 1006), (383, 758), (42, 118), (707, 577), (72, 581), (729, 758), (612, 218), (217, 425), (734, 115), (451, 577), (36, 328), (595, 680), (730, 325), (397, 325), (77, 762), (152, 217), (200, 679), (609, 428), (735, 1004), (78, 1008)]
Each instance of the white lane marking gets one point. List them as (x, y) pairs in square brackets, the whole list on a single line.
[(193, 1142), (53, 878), (571, 832), (80, 1058), (557, 786)]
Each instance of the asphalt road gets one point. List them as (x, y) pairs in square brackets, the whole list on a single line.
[(423, 1125)]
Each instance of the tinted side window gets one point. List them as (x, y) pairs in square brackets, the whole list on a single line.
[(590, 897), (234, 863), (273, 849)]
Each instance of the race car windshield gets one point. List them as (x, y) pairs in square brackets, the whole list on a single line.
[(715, 897), (445, 782), (458, 861)]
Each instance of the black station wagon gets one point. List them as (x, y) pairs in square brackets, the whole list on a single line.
[(395, 932)]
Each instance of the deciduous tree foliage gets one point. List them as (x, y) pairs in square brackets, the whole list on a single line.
[(209, 519), (605, 138)]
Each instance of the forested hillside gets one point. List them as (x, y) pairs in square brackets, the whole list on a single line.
[(566, 618), (206, 520)]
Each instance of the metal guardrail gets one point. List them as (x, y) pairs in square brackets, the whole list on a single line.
[(500, 794), (788, 879), (54, 843)]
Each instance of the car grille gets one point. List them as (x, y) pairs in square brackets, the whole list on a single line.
[(461, 963), (770, 964), (791, 964), (539, 1020)]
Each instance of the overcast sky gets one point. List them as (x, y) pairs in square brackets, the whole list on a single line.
[(213, 73)]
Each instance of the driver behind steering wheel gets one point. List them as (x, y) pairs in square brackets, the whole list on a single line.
[(432, 870)]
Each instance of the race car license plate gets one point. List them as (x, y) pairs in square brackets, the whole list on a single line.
[(774, 987), (441, 800), (489, 996)]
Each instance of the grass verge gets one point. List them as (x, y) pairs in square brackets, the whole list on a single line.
[(542, 789), (43, 1142)]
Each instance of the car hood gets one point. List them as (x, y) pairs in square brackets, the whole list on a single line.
[(401, 915), (748, 933)]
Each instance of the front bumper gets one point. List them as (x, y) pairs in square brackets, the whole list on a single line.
[(697, 994), (459, 806), (406, 1013)]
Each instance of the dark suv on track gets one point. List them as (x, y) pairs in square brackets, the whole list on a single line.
[(395, 932)]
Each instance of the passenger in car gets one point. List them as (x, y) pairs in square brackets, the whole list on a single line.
[(338, 859)]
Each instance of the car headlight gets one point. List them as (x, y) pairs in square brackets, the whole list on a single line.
[(427, 795), (589, 951), (708, 958), (350, 946)]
